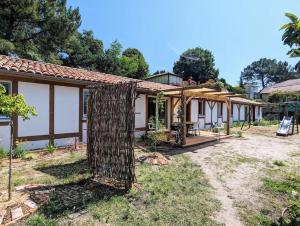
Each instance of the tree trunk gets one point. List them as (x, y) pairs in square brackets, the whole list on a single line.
[(10, 161)]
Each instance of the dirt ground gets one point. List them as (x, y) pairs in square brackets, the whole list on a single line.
[(235, 167)]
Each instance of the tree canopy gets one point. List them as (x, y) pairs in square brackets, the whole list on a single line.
[(133, 64), (83, 50), (36, 29), (197, 63), (48, 31), (291, 36), (267, 72)]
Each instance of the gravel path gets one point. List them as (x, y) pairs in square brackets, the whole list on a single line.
[(235, 166)]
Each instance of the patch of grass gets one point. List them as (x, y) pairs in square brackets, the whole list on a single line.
[(264, 122), (294, 154), (40, 220), (228, 162), (253, 218), (280, 190), (279, 163), (287, 186), (175, 194)]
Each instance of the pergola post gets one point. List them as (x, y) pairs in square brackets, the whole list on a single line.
[(156, 112), (182, 118), (228, 117)]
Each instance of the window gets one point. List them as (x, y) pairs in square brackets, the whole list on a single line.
[(201, 108), (220, 109), (163, 111), (85, 102), (7, 86), (232, 108)]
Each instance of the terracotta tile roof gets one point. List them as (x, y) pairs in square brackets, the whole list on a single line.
[(292, 85), (56, 71)]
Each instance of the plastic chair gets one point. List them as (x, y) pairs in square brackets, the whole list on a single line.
[(195, 128)]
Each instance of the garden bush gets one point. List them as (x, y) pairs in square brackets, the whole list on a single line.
[(18, 152), (3, 152), (50, 148)]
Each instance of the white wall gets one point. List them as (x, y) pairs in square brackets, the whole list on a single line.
[(36, 95), (65, 142), (258, 113), (194, 110), (33, 145), (208, 113), (140, 111), (242, 112), (224, 112), (66, 109), (5, 136), (235, 115)]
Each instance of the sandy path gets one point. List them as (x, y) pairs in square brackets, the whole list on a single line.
[(234, 169)]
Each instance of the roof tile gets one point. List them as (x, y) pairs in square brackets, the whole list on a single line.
[(53, 70)]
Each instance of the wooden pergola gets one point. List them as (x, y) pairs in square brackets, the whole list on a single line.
[(186, 94)]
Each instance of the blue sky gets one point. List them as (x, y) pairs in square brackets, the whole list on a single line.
[(238, 32)]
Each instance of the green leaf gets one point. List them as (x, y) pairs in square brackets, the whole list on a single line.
[(292, 17)]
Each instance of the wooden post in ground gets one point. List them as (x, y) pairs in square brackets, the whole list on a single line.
[(182, 117), (228, 117), (156, 112)]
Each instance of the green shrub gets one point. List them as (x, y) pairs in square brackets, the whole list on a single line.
[(236, 124), (264, 122), (18, 152), (294, 212), (50, 148), (3, 152)]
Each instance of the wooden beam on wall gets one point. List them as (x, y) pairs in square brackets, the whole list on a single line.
[(51, 112), (171, 110), (80, 113)]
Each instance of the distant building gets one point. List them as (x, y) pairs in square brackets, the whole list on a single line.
[(166, 78), (292, 85), (252, 90)]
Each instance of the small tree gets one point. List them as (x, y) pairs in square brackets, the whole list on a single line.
[(13, 106)]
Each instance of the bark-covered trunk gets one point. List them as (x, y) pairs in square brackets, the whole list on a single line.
[(111, 132)]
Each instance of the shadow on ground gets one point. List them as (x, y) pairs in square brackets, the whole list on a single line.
[(74, 197), (171, 151), (66, 170)]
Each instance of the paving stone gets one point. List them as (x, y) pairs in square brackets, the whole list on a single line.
[(16, 213), (2, 214), (31, 204)]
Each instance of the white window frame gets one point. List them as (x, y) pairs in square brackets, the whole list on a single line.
[(85, 94), (4, 117)]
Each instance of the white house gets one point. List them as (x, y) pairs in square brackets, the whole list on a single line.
[(59, 95)]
